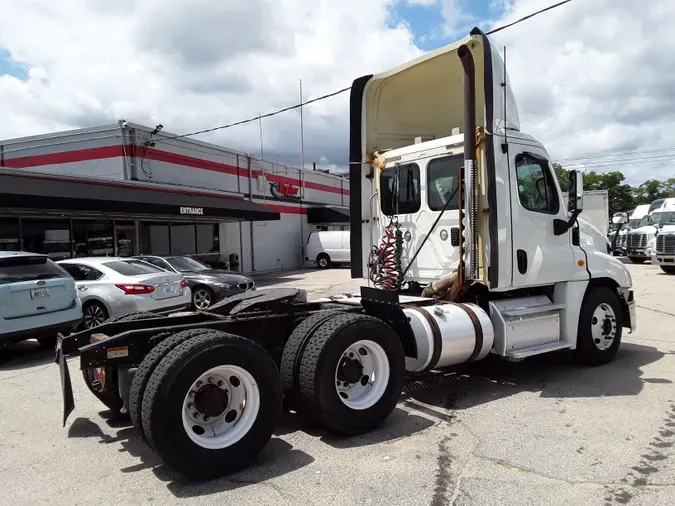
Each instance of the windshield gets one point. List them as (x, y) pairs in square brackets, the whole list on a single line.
[(187, 264), (634, 223), (663, 218)]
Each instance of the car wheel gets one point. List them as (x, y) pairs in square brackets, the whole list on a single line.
[(202, 298), (323, 260), (95, 314)]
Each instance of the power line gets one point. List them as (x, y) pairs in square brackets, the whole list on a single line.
[(608, 155), (329, 95)]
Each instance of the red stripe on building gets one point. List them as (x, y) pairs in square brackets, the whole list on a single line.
[(79, 155), (103, 152), (284, 209), (129, 185)]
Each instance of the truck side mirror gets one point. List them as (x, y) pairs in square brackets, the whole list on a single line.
[(620, 218), (575, 203)]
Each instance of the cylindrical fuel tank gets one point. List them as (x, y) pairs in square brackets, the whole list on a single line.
[(448, 334)]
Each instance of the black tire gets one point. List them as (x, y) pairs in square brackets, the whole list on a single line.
[(587, 352), (323, 261), (94, 310), (290, 358), (207, 291), (668, 269), (133, 316), (169, 383), (637, 260), (110, 398), (319, 362), (147, 367)]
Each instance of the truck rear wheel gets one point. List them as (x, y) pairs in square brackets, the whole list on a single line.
[(637, 260), (600, 325), (147, 367), (352, 372), (211, 405), (290, 359)]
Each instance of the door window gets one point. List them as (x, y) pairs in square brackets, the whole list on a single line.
[(82, 272), (536, 189), (442, 177), (400, 189)]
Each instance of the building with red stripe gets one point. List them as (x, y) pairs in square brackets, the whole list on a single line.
[(126, 189)]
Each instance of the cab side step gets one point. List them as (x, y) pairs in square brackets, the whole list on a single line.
[(526, 326)]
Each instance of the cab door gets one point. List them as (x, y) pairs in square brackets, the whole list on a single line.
[(539, 256)]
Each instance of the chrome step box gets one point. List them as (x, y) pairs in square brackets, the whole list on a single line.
[(526, 323)]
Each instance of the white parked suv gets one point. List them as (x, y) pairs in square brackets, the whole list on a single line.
[(38, 299)]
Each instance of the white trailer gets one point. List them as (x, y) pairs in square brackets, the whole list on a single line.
[(467, 245)]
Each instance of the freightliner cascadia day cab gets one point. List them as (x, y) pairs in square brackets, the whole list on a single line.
[(661, 248), (466, 247)]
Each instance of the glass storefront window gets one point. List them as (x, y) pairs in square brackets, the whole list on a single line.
[(207, 238), (183, 240), (155, 238), (47, 236), (9, 234), (93, 238)]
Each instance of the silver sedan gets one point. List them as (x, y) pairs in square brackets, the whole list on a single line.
[(108, 286)]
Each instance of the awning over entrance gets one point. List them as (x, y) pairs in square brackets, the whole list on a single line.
[(328, 214), (39, 191)]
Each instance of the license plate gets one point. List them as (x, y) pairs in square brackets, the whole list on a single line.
[(39, 293), (169, 290)]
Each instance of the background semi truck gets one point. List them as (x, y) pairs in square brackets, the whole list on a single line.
[(467, 250)]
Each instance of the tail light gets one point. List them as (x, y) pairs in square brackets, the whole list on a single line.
[(136, 289), (184, 284)]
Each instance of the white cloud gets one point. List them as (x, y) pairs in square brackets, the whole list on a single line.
[(589, 77), (191, 64), (596, 77)]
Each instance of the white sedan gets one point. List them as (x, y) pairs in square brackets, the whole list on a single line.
[(108, 286)]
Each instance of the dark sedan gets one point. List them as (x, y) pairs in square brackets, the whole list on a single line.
[(208, 285)]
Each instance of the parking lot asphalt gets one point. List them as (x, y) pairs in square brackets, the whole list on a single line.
[(542, 431)]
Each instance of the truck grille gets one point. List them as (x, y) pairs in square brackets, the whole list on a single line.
[(636, 241), (665, 244)]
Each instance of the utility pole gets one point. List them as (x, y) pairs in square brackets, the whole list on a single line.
[(302, 181), (262, 154)]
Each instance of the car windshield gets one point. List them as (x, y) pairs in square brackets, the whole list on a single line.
[(663, 218), (28, 268), (133, 267), (187, 264)]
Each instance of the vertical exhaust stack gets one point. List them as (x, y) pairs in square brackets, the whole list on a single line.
[(470, 225)]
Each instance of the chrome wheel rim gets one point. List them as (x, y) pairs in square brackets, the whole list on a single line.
[(603, 326), (201, 299), (362, 375), (93, 316), (220, 407)]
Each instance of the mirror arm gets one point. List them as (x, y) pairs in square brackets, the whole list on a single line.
[(562, 226)]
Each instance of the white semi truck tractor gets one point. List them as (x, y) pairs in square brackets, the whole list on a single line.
[(466, 248)]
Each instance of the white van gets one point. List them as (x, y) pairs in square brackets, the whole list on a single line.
[(328, 248)]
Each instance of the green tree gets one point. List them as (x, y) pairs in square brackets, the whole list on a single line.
[(653, 189)]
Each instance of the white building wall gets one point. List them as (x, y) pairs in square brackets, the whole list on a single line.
[(99, 153)]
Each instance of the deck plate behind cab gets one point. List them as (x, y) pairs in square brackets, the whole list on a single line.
[(258, 299)]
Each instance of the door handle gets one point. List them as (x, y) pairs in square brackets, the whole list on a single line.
[(521, 259)]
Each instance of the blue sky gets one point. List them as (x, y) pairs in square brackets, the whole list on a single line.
[(427, 22), (9, 66)]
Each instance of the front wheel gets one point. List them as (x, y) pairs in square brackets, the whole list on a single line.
[(668, 269), (202, 298), (600, 326), (637, 260), (323, 260), (211, 404)]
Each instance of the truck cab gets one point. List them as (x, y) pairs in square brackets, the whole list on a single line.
[(448, 190), (644, 231), (661, 247)]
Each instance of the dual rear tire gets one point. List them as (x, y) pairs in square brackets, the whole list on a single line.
[(344, 370), (207, 402)]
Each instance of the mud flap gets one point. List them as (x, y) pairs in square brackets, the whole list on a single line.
[(66, 386)]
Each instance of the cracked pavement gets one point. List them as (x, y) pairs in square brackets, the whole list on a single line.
[(543, 431)]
